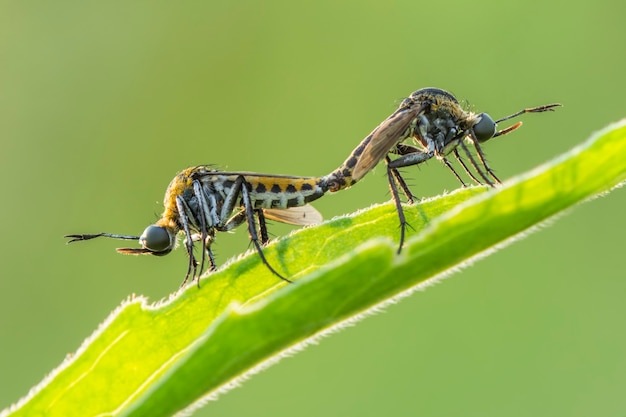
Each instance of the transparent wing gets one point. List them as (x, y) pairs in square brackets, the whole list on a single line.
[(301, 216), (384, 138)]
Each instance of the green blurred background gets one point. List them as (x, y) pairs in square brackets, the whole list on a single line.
[(101, 103)]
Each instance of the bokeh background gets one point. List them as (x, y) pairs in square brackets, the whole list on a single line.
[(101, 103)]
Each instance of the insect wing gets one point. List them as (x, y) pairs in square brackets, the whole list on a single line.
[(384, 138), (302, 216)]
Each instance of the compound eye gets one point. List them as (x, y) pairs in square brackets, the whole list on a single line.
[(156, 239), (485, 128)]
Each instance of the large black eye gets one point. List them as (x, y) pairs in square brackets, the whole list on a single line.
[(485, 128), (156, 239)]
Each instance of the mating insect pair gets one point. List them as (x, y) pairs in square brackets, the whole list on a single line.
[(201, 201)]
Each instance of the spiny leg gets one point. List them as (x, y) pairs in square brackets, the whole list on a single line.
[(234, 222), (262, 227), (392, 176), (184, 220), (207, 209), (254, 238), (403, 150), (212, 265), (410, 156), (414, 156), (447, 163), (410, 198), (465, 168), (239, 188), (475, 165), (204, 234), (483, 160)]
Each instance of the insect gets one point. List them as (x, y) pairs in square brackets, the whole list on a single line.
[(439, 127), (201, 201)]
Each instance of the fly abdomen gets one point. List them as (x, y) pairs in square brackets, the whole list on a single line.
[(272, 192)]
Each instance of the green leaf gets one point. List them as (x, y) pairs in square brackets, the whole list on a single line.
[(159, 359)]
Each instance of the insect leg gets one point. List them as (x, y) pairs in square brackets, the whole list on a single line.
[(448, 165), (204, 217), (183, 211), (393, 175), (399, 210), (410, 198), (475, 165), (249, 210), (404, 149), (483, 160), (224, 223), (465, 168), (230, 201), (481, 156), (413, 158), (233, 222), (262, 227)]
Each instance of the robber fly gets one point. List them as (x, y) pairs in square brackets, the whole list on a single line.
[(201, 201), (439, 127)]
